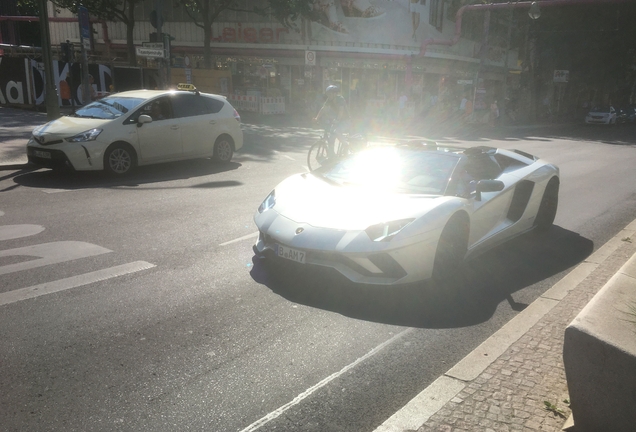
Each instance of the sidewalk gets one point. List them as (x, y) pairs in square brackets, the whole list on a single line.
[(504, 384)]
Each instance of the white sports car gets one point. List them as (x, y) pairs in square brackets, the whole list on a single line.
[(399, 214)]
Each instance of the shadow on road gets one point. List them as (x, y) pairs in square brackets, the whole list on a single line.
[(487, 281), (49, 179)]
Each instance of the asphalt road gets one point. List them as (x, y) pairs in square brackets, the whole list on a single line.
[(172, 324)]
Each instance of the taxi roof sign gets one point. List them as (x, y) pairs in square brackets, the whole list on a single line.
[(184, 86)]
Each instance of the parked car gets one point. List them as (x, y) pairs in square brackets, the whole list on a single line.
[(601, 115), (626, 115), (400, 214), (140, 127)]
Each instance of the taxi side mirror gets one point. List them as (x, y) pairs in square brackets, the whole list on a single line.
[(144, 118)]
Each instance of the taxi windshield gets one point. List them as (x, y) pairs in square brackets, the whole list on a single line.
[(108, 108)]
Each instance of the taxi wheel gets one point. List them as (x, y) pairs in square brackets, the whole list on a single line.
[(119, 159), (223, 148)]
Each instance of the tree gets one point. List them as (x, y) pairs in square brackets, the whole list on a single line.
[(122, 10), (205, 12)]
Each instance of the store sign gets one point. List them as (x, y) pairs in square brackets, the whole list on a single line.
[(156, 45), (310, 58), (465, 82), (248, 34), (561, 76)]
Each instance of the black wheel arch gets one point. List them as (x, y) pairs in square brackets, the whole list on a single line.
[(228, 137), (126, 144)]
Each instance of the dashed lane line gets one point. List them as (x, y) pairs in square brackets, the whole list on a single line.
[(298, 399), (245, 237)]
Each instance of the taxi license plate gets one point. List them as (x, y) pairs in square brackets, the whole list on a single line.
[(45, 155), (291, 254)]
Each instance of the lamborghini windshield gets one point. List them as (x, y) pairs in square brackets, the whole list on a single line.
[(395, 169)]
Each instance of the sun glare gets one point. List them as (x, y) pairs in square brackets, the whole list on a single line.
[(379, 169)]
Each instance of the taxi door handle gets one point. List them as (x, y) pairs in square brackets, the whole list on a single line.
[(212, 121), (174, 127)]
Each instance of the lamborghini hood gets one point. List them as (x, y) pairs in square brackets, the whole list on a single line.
[(306, 198)]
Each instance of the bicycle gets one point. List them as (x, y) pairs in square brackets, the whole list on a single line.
[(318, 154)]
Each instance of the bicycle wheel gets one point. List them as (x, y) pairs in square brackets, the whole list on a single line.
[(317, 155)]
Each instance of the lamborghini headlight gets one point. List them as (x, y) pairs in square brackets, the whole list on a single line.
[(387, 230), (268, 203)]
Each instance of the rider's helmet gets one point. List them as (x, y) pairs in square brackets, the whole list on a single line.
[(332, 89)]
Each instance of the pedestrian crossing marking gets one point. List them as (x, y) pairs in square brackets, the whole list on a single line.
[(72, 282), (49, 253)]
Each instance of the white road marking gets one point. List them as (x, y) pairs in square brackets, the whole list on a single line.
[(50, 253), (11, 232), (289, 157), (72, 282), (274, 414), (245, 237), (51, 191)]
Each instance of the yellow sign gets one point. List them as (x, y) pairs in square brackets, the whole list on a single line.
[(184, 86)]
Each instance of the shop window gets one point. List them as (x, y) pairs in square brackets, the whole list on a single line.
[(436, 14)]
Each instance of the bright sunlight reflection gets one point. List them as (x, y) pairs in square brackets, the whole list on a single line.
[(379, 169)]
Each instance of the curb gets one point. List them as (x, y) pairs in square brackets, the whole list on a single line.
[(433, 398)]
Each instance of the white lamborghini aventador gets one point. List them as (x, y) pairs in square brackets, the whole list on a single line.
[(400, 214)]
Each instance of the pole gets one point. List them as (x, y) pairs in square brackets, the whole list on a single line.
[(52, 107), (84, 24), (504, 101), (86, 84), (160, 61)]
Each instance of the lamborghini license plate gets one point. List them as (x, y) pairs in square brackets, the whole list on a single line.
[(291, 254)]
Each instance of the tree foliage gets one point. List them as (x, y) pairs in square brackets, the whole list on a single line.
[(112, 10)]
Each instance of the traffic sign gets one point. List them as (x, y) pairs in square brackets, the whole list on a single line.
[(310, 58), (150, 52), (85, 27), (561, 76)]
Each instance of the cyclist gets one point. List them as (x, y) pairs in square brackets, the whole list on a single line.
[(336, 110)]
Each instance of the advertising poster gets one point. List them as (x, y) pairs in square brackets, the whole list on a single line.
[(354, 23), (14, 83)]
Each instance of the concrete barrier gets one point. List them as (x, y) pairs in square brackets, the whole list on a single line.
[(599, 355), (244, 103)]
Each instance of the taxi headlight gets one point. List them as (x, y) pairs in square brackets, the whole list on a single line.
[(386, 231), (268, 202), (89, 135)]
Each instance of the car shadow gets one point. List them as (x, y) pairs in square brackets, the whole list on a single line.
[(69, 180), (487, 281)]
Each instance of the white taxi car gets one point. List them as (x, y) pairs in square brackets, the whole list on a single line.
[(140, 127)]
